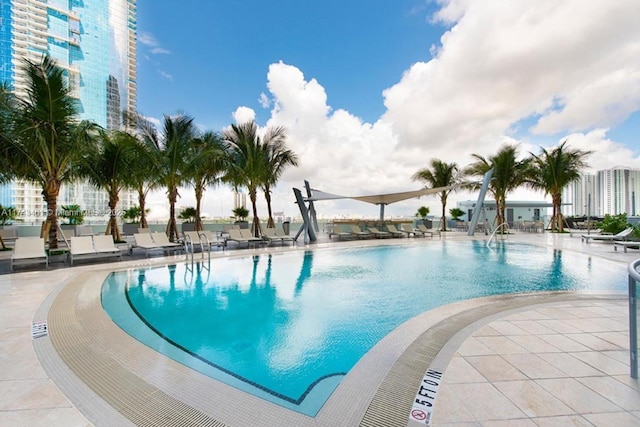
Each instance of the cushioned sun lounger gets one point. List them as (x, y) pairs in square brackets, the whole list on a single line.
[(29, 250), (145, 242), (338, 230), (237, 235), (425, 231), (391, 228), (608, 237), (104, 246), (356, 231), (408, 230), (379, 234)]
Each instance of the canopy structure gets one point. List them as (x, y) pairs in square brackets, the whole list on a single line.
[(378, 199)]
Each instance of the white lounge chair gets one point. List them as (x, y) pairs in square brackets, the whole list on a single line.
[(145, 242), (356, 231), (80, 247), (208, 238), (608, 237), (425, 231), (161, 239), (9, 234), (408, 230), (29, 250), (391, 228), (242, 236), (105, 246), (337, 230), (284, 237), (379, 234)]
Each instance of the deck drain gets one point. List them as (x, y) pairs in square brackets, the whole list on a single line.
[(38, 329)]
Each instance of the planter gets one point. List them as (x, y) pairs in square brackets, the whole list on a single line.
[(188, 226), (128, 229), (243, 224)]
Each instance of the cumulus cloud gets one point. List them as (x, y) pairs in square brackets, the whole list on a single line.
[(264, 100), (244, 114), (570, 65)]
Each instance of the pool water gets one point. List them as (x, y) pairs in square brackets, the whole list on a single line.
[(288, 327)]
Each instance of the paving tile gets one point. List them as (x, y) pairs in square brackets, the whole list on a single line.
[(450, 408), (507, 328), (495, 368), (562, 421), (532, 399), (502, 345), (472, 346), (570, 365), (533, 327), (460, 370), (563, 343), (622, 395), (533, 344), (577, 396), (593, 342), (602, 362), (485, 402), (533, 366), (617, 419), (559, 326)]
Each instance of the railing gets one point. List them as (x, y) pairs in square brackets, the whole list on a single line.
[(634, 277), (504, 225)]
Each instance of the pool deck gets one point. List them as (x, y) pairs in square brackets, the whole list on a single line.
[(549, 359)]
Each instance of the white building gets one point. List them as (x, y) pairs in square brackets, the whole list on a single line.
[(608, 192)]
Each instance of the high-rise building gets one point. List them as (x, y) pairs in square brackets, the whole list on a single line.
[(94, 41), (610, 191)]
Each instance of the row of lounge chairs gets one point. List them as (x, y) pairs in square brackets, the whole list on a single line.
[(349, 231)]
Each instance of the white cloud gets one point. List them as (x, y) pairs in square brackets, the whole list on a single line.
[(166, 75), (264, 100), (148, 39), (244, 114)]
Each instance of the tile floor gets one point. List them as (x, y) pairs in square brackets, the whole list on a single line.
[(554, 365)]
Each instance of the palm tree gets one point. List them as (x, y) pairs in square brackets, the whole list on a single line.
[(247, 154), (207, 168), (508, 174), (279, 157), (109, 168), (171, 155), (44, 139), (553, 170), (441, 174)]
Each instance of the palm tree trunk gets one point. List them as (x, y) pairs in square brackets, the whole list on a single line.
[(113, 219), (142, 199), (2, 243), (199, 190), (50, 193), (255, 226), (172, 229), (267, 195), (557, 202)]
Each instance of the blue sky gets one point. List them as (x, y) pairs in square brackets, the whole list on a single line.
[(371, 90)]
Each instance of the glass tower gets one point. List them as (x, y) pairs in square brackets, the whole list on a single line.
[(95, 42)]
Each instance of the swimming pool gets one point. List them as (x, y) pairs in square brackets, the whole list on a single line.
[(287, 327)]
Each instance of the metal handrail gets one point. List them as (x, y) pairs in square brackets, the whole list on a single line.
[(506, 226), (634, 277)]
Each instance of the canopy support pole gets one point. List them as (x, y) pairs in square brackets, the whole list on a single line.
[(479, 208), (312, 208), (306, 223)]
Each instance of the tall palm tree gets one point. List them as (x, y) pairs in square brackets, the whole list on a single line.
[(553, 170), (279, 157), (247, 154), (508, 174), (45, 140), (171, 157), (207, 168), (109, 168), (440, 174)]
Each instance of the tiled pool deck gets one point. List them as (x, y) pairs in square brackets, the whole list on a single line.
[(538, 360)]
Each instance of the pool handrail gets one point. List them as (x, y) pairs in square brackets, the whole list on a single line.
[(634, 277), (505, 225)]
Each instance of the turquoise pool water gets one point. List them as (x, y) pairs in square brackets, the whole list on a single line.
[(288, 327)]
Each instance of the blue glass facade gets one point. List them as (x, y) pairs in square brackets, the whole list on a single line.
[(95, 42)]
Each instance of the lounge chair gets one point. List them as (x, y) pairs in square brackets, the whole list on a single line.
[(105, 246), (146, 242), (338, 231), (285, 237), (608, 237), (207, 238), (626, 244), (424, 231), (9, 235), (161, 239), (379, 234), (84, 230), (29, 250), (391, 228), (270, 235), (408, 230), (80, 247), (356, 231), (237, 235)]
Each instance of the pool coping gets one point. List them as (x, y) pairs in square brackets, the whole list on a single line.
[(88, 357)]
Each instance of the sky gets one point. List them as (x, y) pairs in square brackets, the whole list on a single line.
[(371, 90)]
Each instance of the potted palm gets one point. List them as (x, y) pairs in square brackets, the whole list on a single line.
[(188, 216), (241, 213), (422, 214), (456, 214)]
